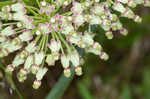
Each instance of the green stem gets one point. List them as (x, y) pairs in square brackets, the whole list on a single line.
[(32, 11), (10, 23), (65, 43), (37, 1)]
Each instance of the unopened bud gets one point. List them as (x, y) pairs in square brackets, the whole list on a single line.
[(36, 84), (104, 56), (78, 70), (67, 72)]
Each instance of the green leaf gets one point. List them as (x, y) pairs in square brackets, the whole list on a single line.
[(84, 92), (60, 87), (126, 93)]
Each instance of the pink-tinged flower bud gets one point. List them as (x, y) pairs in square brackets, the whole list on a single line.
[(26, 36), (35, 68), (21, 78), (104, 56), (41, 72), (38, 57), (22, 72), (109, 35), (65, 61), (55, 45), (50, 60), (67, 72), (8, 31), (124, 32), (42, 11), (78, 70), (9, 68), (36, 84)]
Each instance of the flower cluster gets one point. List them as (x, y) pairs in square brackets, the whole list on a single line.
[(50, 32)]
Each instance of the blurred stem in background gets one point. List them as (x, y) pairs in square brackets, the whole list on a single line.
[(10, 80)]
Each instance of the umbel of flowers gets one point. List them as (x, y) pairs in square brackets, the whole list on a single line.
[(50, 32)]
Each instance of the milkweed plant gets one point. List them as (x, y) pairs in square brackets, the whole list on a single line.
[(50, 31)]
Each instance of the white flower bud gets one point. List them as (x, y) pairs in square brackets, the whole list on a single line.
[(50, 60), (26, 36), (22, 72), (4, 52), (9, 68), (8, 31), (67, 28), (67, 72), (109, 35), (34, 68), (137, 19), (22, 78), (2, 38), (74, 58), (18, 61), (65, 61), (52, 20), (77, 7), (96, 48), (78, 70), (43, 3), (124, 32), (95, 20), (119, 7), (104, 56), (41, 72), (55, 45), (17, 7), (36, 84), (38, 57), (87, 39), (31, 47), (78, 20), (28, 62)]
